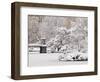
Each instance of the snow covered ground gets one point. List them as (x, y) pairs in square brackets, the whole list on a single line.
[(51, 59)]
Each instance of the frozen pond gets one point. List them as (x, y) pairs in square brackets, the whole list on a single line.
[(51, 59)]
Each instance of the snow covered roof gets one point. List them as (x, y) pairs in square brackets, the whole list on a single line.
[(36, 45)]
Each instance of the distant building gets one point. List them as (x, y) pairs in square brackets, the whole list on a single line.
[(39, 48)]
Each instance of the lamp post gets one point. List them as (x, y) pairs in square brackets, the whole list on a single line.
[(43, 47)]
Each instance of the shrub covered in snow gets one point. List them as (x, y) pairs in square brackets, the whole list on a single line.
[(73, 57)]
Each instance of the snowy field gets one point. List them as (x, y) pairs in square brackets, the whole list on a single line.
[(51, 59)]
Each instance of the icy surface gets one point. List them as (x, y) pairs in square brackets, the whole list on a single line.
[(37, 59)]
